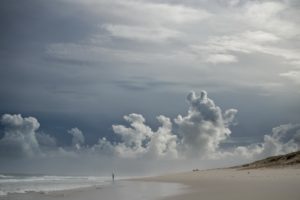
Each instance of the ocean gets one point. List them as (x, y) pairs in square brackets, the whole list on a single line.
[(40, 183)]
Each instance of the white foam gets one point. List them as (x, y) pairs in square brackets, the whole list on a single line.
[(5, 176), (22, 184)]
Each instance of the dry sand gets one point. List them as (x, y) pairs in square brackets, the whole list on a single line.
[(232, 184)]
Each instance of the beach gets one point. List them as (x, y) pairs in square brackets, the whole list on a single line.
[(119, 189), (225, 184), (234, 184)]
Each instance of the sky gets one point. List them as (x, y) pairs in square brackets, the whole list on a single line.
[(147, 86)]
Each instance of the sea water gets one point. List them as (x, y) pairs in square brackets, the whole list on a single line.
[(41, 183)]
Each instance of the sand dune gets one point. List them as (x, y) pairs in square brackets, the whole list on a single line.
[(291, 160)]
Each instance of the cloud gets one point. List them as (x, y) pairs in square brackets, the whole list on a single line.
[(196, 136), (165, 13), (185, 36), (152, 22), (104, 147), (268, 16), (19, 136), (153, 12), (283, 139), (140, 140), (134, 136), (142, 83), (199, 133), (268, 30), (78, 137), (91, 53), (164, 142), (205, 126), (220, 48), (45, 140), (221, 58), (157, 20), (22, 139), (141, 33), (293, 75), (260, 36)]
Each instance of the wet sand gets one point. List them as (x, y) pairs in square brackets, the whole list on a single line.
[(119, 190), (221, 184)]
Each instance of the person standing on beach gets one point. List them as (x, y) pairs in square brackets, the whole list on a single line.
[(113, 177)]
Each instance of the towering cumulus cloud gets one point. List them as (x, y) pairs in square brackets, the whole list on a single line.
[(284, 139), (139, 139), (78, 138), (19, 136), (205, 126), (197, 135)]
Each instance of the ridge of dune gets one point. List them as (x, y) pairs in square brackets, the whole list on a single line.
[(286, 160)]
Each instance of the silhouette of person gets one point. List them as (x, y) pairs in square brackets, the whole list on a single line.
[(113, 176)]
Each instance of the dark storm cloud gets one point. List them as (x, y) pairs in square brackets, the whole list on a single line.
[(42, 21), (86, 63), (28, 27)]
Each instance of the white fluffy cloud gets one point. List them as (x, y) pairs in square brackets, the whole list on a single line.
[(282, 140), (164, 142), (77, 137), (133, 137), (141, 140), (22, 139), (197, 135), (205, 126), (19, 136)]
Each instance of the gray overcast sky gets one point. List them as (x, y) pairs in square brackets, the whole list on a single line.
[(87, 63)]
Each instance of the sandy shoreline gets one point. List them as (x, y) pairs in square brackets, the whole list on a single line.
[(232, 184), (118, 190), (225, 184)]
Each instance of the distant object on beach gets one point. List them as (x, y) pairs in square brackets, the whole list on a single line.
[(195, 170), (290, 159), (113, 177)]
